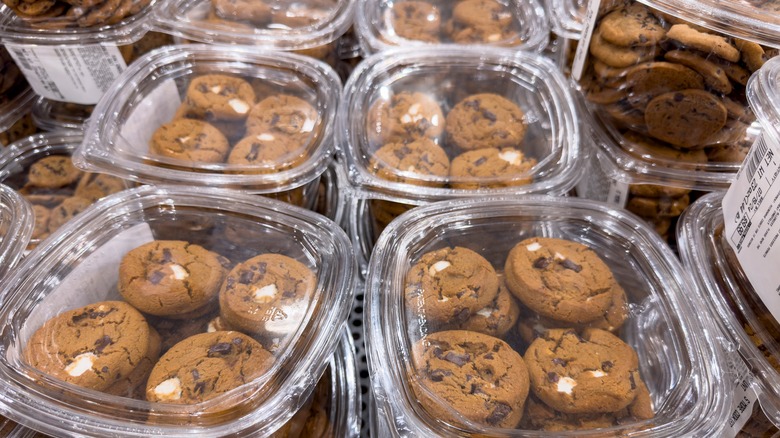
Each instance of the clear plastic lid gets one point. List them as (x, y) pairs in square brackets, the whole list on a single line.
[(15, 94), (445, 341), (668, 93), (16, 227), (40, 168), (567, 17), (743, 320), (264, 289), (229, 117), (51, 115), (383, 24), (425, 124), (43, 22), (285, 25), (763, 93)]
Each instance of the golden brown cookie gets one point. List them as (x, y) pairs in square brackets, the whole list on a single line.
[(481, 21), (189, 140), (650, 79), (66, 211), (267, 153), (416, 20), (94, 186), (588, 373), (687, 118), (705, 42), (418, 162), (657, 207), (485, 121), (478, 376), (633, 25), (619, 56), (206, 365), (403, 118), (450, 285), (171, 278), (133, 385), (219, 97), (714, 76), (559, 279), (284, 116), (93, 346), (53, 171), (497, 318), (491, 168)]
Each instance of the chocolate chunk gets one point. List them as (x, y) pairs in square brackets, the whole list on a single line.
[(199, 387), (480, 161), (237, 341), (488, 356), (476, 389), (438, 375), (167, 256), (195, 374), (91, 315), (254, 151), (462, 315), (457, 359), (559, 361), (437, 353), (245, 277), (156, 277), (102, 343), (499, 413), (568, 264), (472, 104), (631, 379), (607, 365), (552, 377), (104, 369), (490, 116), (219, 349), (542, 262)]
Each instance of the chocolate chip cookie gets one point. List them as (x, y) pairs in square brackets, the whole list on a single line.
[(53, 171), (189, 140), (403, 118), (219, 97), (485, 121), (491, 168)]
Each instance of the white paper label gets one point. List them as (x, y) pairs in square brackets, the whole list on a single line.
[(578, 65), (77, 74), (751, 208), (598, 186), (745, 396), (93, 280)]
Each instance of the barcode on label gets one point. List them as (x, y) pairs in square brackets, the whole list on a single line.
[(22, 58), (757, 153)]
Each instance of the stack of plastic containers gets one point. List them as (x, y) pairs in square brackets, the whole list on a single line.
[(93, 348), (742, 305), (464, 338), (664, 83), (16, 225)]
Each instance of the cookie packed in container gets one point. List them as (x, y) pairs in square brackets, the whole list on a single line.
[(15, 94), (536, 316), (16, 227), (40, 168), (219, 116), (307, 27), (384, 24), (174, 311)]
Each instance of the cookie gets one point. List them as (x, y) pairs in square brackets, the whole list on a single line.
[(633, 25), (52, 172), (94, 346), (419, 162), (189, 140), (705, 42), (497, 318), (485, 121), (94, 186), (598, 92), (539, 416), (403, 118), (171, 278), (478, 376), (66, 211), (233, 130), (267, 295), (133, 385), (657, 207), (253, 11), (729, 153), (206, 365), (588, 373), (714, 76), (284, 116), (619, 56), (646, 147), (219, 97), (657, 191), (559, 279), (651, 79), (491, 168), (449, 285), (23, 127), (266, 153), (99, 13), (416, 20), (751, 54), (687, 118), (172, 331)]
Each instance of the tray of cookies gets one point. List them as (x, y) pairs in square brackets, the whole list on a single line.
[(40, 168), (424, 124), (742, 318), (383, 24), (175, 311), (16, 227), (307, 27), (532, 316), (220, 116)]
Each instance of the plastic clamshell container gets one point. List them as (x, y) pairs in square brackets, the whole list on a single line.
[(384, 24), (764, 96), (677, 361), (567, 17), (51, 115), (52, 199), (64, 24), (79, 265), (16, 226), (308, 26), (17, 96), (729, 298), (445, 77), (150, 92)]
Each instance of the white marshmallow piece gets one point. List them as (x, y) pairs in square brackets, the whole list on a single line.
[(308, 125), (435, 120), (486, 312), (414, 109), (559, 256), (511, 156), (179, 273), (494, 37), (266, 137), (536, 246), (239, 106), (265, 294), (216, 89), (183, 140), (566, 384), (438, 267), (598, 373), (81, 364), (211, 328), (406, 118), (169, 389)]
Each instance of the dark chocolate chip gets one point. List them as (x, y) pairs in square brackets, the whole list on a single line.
[(631, 379), (104, 369), (552, 377), (488, 356), (462, 315), (542, 262), (472, 104), (437, 353), (476, 389), (199, 387), (480, 161), (678, 97), (274, 119), (245, 277), (237, 341), (91, 314), (499, 413), (219, 349), (457, 359), (568, 264), (607, 365), (195, 374), (254, 151), (167, 256), (490, 116), (156, 277), (102, 343), (438, 375), (559, 361)]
